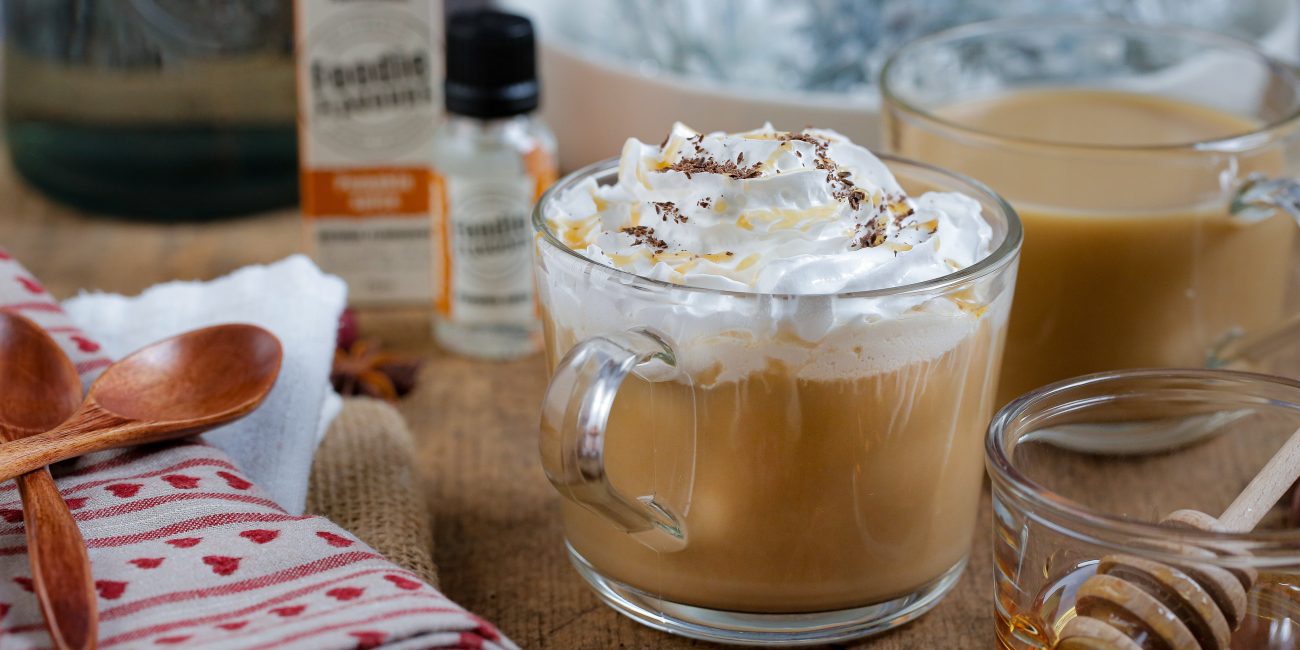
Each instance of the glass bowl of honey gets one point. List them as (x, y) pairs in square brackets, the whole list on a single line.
[(1088, 475)]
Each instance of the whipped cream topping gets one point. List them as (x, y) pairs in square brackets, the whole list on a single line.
[(767, 211), (788, 222)]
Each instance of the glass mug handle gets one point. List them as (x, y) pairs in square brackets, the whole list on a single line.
[(575, 413), (1259, 197)]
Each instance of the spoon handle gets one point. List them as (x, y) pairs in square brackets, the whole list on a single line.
[(18, 457), (88, 432), (60, 567), (1266, 489)]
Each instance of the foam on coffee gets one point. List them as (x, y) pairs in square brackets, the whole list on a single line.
[(795, 216)]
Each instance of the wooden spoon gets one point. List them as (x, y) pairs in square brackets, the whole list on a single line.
[(174, 388), (41, 390), (1184, 606)]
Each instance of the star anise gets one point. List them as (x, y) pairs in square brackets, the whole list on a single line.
[(363, 370)]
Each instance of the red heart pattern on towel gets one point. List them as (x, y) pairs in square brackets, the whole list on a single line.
[(337, 541), (110, 589), (124, 490), (30, 285), (368, 639), (222, 565), (345, 593), (259, 535), (234, 481), (84, 344), (181, 481), (403, 583)]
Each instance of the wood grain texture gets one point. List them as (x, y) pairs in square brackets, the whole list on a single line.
[(174, 388), (42, 389), (61, 574), (1195, 611), (1264, 491), (497, 538)]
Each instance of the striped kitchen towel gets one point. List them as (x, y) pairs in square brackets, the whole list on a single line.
[(187, 552)]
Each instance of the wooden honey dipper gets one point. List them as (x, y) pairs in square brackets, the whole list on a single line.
[(1134, 603)]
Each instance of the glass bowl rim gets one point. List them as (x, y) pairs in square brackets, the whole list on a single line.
[(1084, 521), (1247, 141)]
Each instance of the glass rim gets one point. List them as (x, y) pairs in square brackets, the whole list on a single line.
[(1084, 521), (1237, 142), (996, 260)]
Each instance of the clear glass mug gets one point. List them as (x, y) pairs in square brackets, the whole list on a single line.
[(770, 468), (1138, 254), (1061, 504)]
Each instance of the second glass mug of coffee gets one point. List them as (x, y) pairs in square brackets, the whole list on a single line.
[(775, 468), (1151, 167)]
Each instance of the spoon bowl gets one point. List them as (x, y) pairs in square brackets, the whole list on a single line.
[(210, 374), (41, 386), (174, 388), (41, 390)]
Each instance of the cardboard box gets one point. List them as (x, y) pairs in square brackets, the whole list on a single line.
[(368, 104)]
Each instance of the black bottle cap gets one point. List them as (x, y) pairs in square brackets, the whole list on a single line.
[(491, 64)]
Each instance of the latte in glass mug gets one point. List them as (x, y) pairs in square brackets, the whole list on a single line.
[(775, 355)]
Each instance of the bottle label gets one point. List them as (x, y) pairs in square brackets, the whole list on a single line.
[(367, 100), (488, 249)]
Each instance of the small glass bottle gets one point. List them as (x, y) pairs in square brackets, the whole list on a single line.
[(492, 160)]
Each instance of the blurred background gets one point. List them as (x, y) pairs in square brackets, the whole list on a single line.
[(185, 109)]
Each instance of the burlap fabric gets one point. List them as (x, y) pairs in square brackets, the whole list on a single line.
[(364, 479)]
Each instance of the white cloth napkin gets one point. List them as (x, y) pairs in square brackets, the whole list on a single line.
[(292, 299)]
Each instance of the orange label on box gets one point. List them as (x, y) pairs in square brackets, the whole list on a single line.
[(379, 191)]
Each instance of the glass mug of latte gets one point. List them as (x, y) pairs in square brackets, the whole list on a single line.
[(1150, 166), (742, 464)]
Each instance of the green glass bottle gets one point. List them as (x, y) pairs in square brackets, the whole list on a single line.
[(154, 109)]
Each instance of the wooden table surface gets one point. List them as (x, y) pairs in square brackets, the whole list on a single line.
[(498, 542)]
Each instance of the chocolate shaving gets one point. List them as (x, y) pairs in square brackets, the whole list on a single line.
[(873, 234), (899, 216), (803, 136), (820, 146), (841, 187), (645, 235), (854, 196), (705, 203), (666, 209), (700, 165), (898, 207)]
